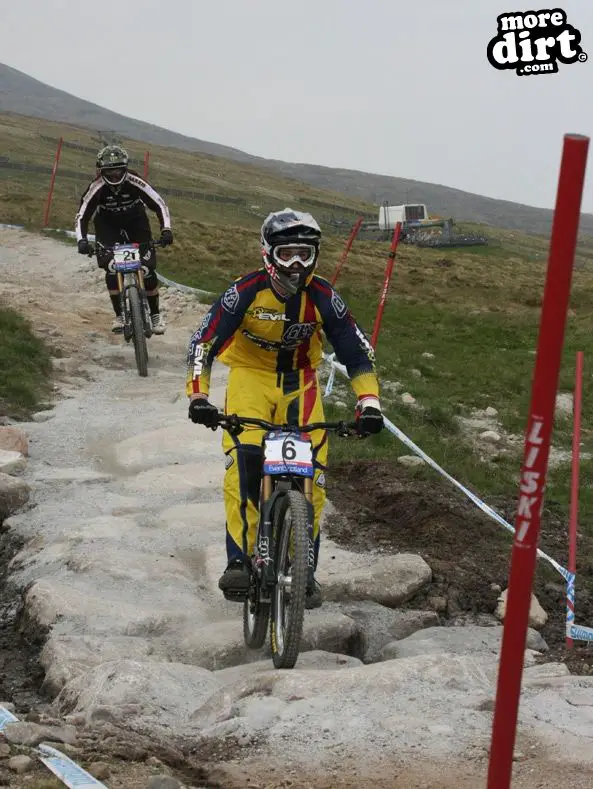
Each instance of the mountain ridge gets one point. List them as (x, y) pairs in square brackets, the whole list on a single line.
[(23, 94)]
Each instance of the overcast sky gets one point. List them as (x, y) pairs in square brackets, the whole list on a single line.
[(386, 86)]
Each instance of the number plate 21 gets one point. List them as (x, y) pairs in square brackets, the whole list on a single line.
[(126, 257), (288, 453)]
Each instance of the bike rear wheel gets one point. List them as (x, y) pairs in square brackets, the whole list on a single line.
[(292, 562), (140, 349)]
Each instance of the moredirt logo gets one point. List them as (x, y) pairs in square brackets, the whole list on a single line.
[(534, 42)]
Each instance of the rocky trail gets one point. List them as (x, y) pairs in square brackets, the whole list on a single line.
[(115, 638)]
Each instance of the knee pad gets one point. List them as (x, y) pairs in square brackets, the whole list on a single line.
[(111, 280), (150, 281), (149, 259)]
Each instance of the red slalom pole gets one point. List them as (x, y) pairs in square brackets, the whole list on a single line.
[(347, 247), (574, 490), (388, 273), (535, 460), (52, 182), (146, 158)]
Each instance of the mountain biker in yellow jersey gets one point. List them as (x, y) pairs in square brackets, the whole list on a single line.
[(267, 327)]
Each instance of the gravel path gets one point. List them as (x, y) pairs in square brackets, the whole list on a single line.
[(120, 555)]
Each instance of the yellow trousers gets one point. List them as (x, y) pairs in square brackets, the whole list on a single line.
[(279, 398)]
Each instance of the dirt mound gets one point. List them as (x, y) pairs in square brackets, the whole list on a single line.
[(381, 505)]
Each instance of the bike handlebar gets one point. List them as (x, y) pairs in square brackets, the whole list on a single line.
[(150, 244), (233, 421)]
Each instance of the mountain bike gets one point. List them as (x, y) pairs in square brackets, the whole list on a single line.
[(281, 568), (127, 263)]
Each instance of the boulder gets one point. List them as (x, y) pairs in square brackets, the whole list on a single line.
[(472, 639), (14, 494), (12, 439), (387, 579)]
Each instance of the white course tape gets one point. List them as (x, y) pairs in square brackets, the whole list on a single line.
[(580, 633), (472, 496), (61, 765), (6, 717), (66, 770), (184, 288)]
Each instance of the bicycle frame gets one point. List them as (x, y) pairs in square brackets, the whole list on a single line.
[(130, 274), (273, 488), (125, 281)]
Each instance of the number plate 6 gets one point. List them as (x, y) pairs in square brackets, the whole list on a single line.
[(288, 453)]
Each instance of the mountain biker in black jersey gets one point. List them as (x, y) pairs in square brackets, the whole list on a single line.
[(118, 198)]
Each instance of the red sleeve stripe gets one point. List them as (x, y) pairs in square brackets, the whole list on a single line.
[(251, 279), (212, 327), (320, 286)]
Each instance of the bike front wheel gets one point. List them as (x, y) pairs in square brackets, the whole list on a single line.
[(256, 617), (140, 349), (292, 562)]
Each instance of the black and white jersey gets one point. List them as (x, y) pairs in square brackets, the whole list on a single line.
[(131, 197)]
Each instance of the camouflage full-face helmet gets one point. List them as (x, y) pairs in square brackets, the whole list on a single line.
[(112, 164)]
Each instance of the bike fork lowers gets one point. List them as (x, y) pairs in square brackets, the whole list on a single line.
[(265, 548), (308, 490)]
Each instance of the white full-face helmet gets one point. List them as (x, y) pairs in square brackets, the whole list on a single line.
[(290, 247)]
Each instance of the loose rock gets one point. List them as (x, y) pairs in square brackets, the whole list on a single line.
[(163, 782), (12, 462), (100, 770), (31, 734), (42, 416), (564, 404), (410, 460), (21, 764), (537, 616), (491, 436)]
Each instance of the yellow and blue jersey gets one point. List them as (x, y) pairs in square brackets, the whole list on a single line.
[(250, 326)]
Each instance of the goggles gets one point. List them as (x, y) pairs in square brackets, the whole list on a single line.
[(113, 175), (286, 255)]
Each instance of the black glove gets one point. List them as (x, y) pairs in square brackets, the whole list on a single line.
[(84, 246), (201, 412), (369, 420), (166, 237)]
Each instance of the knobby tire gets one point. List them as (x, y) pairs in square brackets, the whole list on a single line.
[(140, 349), (255, 626), (285, 638)]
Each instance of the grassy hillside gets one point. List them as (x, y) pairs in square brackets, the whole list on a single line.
[(196, 221), (27, 358), (476, 311), (20, 93)]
